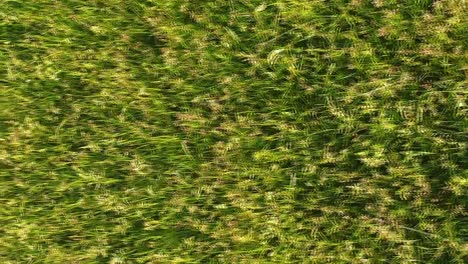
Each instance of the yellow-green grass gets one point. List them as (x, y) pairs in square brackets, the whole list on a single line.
[(233, 131)]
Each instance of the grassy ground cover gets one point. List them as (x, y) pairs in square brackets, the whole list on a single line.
[(233, 131)]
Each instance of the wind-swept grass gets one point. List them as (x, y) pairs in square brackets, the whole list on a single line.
[(286, 131)]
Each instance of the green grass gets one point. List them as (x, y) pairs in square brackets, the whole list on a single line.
[(233, 131)]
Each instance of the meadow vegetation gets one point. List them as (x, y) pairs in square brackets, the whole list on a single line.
[(233, 131)]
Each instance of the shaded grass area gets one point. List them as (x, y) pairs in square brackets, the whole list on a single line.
[(283, 131)]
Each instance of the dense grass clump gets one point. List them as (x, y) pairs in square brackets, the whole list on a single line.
[(233, 131)]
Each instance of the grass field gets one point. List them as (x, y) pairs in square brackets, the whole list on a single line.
[(233, 131)]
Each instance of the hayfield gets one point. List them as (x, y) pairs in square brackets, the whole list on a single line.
[(233, 131)]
